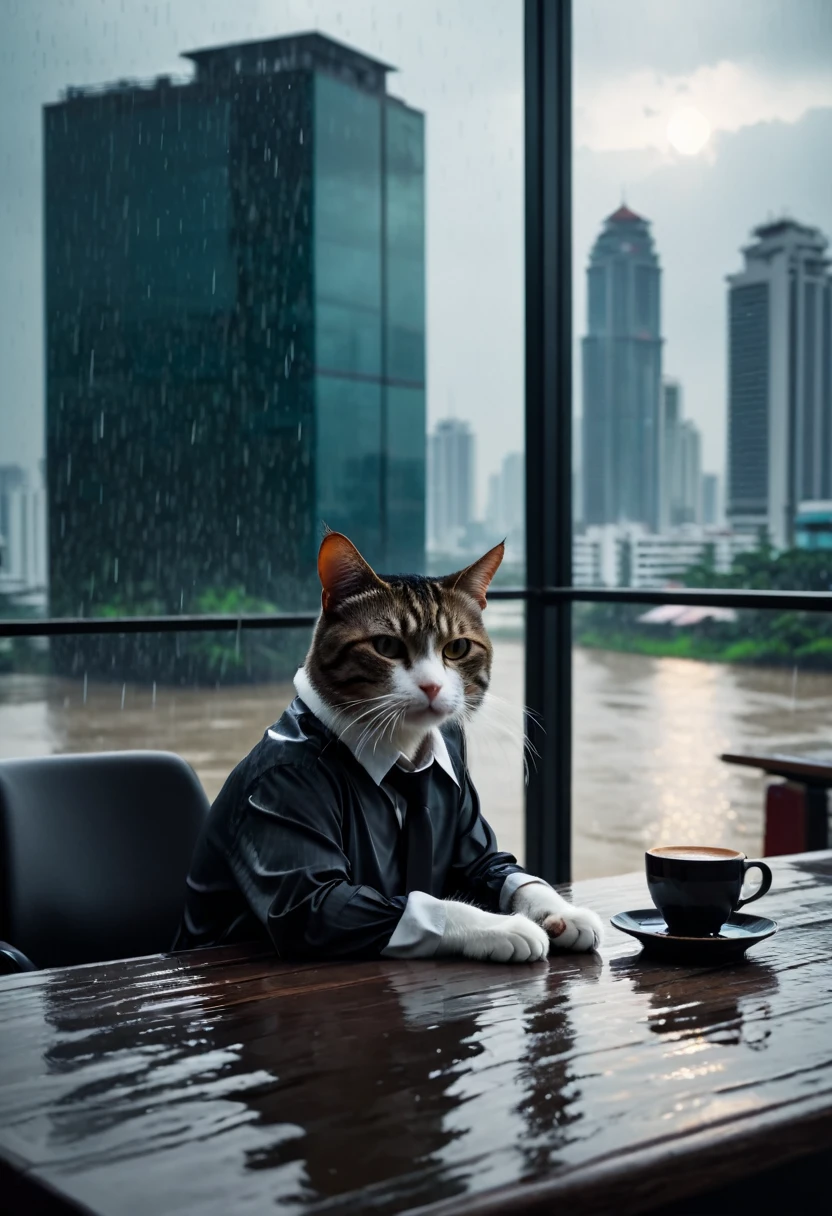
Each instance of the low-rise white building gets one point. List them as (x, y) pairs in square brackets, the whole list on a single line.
[(628, 555)]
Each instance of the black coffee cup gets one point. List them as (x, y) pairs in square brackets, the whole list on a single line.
[(696, 888)]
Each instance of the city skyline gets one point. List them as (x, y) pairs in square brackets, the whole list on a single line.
[(763, 86)]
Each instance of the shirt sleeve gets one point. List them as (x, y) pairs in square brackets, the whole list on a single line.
[(289, 862), (479, 869)]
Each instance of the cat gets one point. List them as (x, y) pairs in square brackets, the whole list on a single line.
[(393, 659)]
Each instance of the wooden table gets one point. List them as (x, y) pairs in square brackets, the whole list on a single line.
[(223, 1082), (797, 812)]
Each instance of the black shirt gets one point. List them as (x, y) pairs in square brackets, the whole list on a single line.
[(303, 847)]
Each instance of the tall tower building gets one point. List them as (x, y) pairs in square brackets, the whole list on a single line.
[(622, 364), (235, 321), (779, 369), (450, 484)]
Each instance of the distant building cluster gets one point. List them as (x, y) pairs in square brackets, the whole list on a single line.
[(648, 511), (235, 318), (455, 527)]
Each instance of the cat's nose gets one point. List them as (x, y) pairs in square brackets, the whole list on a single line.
[(431, 691)]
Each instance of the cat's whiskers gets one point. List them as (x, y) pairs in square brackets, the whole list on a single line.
[(390, 723), (386, 699), (496, 734), (494, 698), (378, 718), (373, 703), (491, 738), (512, 714), (361, 701), (377, 707), (500, 718), (371, 725), (507, 730)]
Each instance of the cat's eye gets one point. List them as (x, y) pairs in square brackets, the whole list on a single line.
[(457, 649), (389, 647)]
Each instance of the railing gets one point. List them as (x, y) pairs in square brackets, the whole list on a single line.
[(783, 601)]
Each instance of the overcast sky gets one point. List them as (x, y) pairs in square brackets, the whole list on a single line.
[(757, 70)]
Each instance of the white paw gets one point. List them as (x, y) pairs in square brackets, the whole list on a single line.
[(575, 929), (512, 939)]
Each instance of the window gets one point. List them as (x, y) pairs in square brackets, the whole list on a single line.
[(263, 273), (285, 285), (700, 192)]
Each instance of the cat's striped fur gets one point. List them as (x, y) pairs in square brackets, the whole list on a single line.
[(395, 657)]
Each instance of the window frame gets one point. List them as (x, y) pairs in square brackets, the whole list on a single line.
[(549, 591)]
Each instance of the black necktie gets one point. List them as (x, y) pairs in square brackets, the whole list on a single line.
[(415, 789)]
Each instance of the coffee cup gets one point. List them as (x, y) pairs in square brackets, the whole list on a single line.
[(697, 888)]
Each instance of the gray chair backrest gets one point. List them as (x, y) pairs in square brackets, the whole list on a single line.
[(94, 853)]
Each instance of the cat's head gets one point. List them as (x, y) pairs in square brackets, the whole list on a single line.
[(403, 653)]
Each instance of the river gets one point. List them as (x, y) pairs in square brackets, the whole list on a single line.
[(647, 736)]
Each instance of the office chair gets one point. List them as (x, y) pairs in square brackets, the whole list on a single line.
[(94, 852)]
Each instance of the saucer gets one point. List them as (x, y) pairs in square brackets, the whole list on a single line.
[(739, 932)]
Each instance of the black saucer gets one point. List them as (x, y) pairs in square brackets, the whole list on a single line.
[(738, 933)]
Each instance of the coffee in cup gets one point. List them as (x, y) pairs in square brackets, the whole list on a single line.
[(697, 888)]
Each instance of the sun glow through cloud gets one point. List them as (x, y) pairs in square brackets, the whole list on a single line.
[(688, 130)]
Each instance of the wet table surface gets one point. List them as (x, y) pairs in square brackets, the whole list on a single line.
[(226, 1082), (813, 768)]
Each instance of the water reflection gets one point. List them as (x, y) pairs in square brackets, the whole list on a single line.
[(343, 1090), (647, 737), (409, 1074), (726, 1007), (392, 1086), (553, 1100), (371, 1085)]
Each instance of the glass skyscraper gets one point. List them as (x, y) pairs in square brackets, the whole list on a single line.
[(622, 366), (235, 305), (779, 380)]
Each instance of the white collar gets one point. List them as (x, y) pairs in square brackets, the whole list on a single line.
[(376, 756)]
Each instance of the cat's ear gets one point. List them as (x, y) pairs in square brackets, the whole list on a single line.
[(342, 571), (475, 579)]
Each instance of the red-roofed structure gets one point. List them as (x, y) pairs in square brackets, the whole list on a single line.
[(625, 216)]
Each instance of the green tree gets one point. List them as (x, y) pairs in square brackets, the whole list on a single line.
[(757, 636)]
